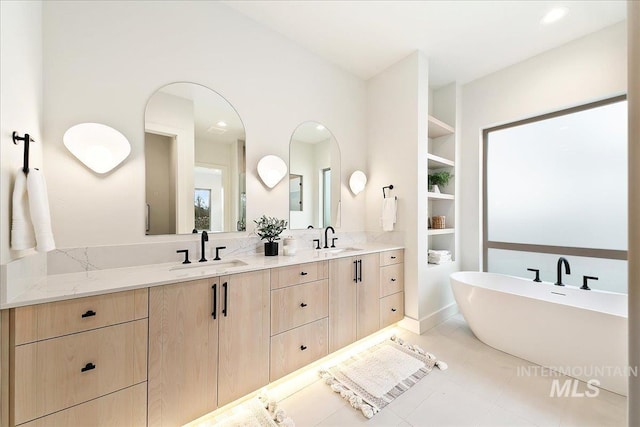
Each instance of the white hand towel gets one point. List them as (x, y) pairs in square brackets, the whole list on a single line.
[(39, 209), (31, 220), (22, 236), (389, 209)]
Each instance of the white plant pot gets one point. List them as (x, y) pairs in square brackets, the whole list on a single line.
[(435, 189)]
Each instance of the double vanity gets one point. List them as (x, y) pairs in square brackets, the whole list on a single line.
[(164, 344)]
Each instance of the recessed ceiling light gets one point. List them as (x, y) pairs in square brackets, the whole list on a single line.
[(221, 124), (554, 15), (320, 127)]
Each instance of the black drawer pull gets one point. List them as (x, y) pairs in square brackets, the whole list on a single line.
[(393, 257), (89, 366), (393, 279), (215, 300), (303, 273), (303, 347), (303, 305), (89, 313), (393, 309)]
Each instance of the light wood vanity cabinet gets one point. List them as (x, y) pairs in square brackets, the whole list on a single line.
[(202, 343), (391, 287), (208, 345), (70, 359), (299, 310), (354, 305)]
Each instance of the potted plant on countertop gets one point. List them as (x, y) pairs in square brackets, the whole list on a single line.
[(270, 228), (437, 180)]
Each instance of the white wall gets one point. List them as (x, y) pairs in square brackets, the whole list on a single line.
[(21, 82), (587, 69), (397, 116), (104, 59)]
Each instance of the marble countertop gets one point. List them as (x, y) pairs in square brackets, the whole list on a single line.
[(75, 285)]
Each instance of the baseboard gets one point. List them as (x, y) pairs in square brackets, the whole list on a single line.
[(423, 325)]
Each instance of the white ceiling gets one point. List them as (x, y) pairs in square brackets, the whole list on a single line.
[(463, 39)]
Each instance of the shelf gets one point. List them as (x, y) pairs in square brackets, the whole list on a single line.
[(440, 231), (440, 196), (444, 264), (438, 128), (437, 162)]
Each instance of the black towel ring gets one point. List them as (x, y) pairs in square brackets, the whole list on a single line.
[(26, 139)]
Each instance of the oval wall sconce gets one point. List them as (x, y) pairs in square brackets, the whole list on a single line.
[(357, 182), (99, 147), (271, 170)]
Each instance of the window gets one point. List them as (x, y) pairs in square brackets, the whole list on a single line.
[(556, 185)]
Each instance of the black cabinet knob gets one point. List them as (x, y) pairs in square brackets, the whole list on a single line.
[(303, 305), (393, 279), (89, 366), (393, 257), (303, 273), (88, 313), (394, 310), (303, 347)]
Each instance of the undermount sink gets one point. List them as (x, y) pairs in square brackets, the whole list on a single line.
[(210, 265), (335, 251)]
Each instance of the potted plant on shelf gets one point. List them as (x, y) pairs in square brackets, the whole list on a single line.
[(269, 228), (438, 179)]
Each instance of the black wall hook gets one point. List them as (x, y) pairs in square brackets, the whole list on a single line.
[(390, 187), (26, 139)]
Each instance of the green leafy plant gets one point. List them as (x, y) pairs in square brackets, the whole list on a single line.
[(439, 178), (270, 228)]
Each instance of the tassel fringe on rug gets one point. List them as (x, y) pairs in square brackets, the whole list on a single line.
[(373, 378)]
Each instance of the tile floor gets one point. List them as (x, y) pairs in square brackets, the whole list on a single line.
[(481, 388)]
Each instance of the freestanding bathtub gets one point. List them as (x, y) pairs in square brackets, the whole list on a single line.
[(580, 333)]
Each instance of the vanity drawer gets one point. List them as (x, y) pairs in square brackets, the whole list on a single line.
[(55, 374), (298, 347), (54, 319), (391, 257), (300, 273), (124, 408), (297, 305), (391, 279), (391, 309)]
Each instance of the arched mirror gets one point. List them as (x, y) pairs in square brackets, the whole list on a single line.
[(194, 149), (314, 177)]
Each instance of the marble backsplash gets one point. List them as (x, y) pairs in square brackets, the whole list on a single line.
[(75, 260), (22, 274)]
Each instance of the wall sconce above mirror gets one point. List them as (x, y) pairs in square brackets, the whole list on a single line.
[(357, 182), (314, 167), (271, 170), (195, 155), (99, 147)]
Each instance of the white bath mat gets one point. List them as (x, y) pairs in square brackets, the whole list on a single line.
[(257, 412), (373, 378)]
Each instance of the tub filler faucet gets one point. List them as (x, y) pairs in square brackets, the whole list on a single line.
[(561, 261)]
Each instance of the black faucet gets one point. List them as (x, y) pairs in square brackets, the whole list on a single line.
[(326, 238), (561, 261), (204, 237)]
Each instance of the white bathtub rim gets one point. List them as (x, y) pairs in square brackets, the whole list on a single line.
[(454, 277)]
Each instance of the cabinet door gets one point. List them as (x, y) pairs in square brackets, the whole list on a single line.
[(342, 302), (368, 288), (183, 349), (243, 363)]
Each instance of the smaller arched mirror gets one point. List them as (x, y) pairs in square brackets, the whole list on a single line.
[(194, 162), (314, 177)]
